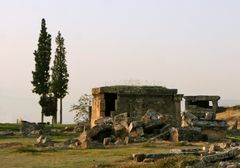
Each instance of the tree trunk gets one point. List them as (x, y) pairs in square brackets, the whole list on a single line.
[(60, 110), (42, 119), (54, 117)]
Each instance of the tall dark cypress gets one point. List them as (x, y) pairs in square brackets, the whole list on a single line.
[(60, 74), (42, 55)]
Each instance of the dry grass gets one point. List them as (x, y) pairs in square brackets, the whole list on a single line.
[(230, 115)]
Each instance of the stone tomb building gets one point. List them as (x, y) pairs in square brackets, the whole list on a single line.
[(203, 115), (136, 101), (202, 104)]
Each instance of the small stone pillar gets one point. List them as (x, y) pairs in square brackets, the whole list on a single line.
[(98, 108), (178, 99)]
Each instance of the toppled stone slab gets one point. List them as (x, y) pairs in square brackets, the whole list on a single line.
[(119, 142), (92, 145), (163, 136), (214, 129), (120, 131), (121, 119), (187, 134), (209, 124), (133, 125), (230, 154), (7, 134), (150, 127), (99, 132), (135, 129), (197, 152), (141, 157)]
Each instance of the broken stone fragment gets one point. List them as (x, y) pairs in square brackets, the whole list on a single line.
[(150, 115), (153, 125), (121, 118), (84, 137), (72, 143), (214, 148), (138, 157), (224, 145), (135, 129), (106, 141), (43, 141), (99, 132), (92, 145), (133, 125), (119, 142), (104, 120), (137, 132), (210, 124), (120, 131), (187, 134), (126, 140), (163, 136)]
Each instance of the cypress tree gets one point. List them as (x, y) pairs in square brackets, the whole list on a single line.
[(60, 74), (42, 55)]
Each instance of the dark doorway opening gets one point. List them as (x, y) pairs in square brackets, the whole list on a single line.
[(202, 104), (109, 103)]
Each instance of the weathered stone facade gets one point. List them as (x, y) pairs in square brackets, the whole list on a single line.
[(200, 105), (201, 114), (136, 101)]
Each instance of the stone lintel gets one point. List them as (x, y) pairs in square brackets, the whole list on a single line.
[(201, 98)]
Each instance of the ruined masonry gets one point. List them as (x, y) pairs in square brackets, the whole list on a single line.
[(200, 105), (200, 114), (110, 101)]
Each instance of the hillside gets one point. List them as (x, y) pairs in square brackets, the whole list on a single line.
[(231, 114)]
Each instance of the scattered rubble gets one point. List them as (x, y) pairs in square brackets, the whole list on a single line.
[(29, 128), (205, 158), (7, 134), (230, 154), (187, 134), (72, 143), (156, 156), (227, 164), (43, 141)]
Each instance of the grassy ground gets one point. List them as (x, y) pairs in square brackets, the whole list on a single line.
[(19, 152)]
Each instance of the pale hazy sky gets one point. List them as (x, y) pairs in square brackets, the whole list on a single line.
[(191, 45)]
